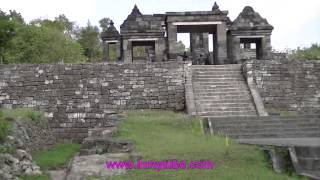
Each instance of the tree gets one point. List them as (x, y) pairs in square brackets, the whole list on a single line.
[(181, 48), (16, 17), (68, 26), (312, 53), (89, 39), (61, 23), (104, 23), (44, 41), (7, 32)]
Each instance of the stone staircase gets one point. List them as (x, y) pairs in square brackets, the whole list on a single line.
[(100, 139), (221, 95), (306, 161), (220, 91), (267, 127)]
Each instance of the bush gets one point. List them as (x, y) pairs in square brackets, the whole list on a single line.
[(312, 53), (57, 156), (35, 116), (4, 127)]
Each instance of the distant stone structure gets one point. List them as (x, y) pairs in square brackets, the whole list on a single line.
[(247, 37)]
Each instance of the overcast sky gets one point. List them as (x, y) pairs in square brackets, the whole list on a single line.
[(296, 22)]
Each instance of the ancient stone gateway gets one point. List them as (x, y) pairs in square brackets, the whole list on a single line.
[(248, 36)]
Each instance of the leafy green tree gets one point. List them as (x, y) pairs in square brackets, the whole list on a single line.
[(104, 23), (89, 38), (61, 23), (7, 32), (68, 26), (311, 53), (16, 17), (181, 48), (43, 41)]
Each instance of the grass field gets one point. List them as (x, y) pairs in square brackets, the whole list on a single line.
[(56, 157), (164, 135)]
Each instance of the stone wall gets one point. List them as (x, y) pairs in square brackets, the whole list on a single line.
[(81, 96), (284, 85)]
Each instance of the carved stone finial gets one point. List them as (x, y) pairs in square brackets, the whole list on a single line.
[(136, 11), (111, 23), (215, 7), (248, 10)]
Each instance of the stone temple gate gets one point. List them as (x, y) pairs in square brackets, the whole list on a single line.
[(247, 37)]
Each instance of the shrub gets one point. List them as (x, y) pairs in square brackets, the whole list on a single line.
[(35, 116), (57, 156), (4, 127), (312, 53)]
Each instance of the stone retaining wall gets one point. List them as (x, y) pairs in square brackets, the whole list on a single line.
[(81, 96), (284, 85)]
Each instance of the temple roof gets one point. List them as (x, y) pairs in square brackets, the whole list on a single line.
[(138, 22), (110, 33), (135, 13), (248, 19)]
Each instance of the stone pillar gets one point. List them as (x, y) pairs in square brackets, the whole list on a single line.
[(205, 37), (160, 47), (172, 40), (127, 51), (221, 43), (105, 51), (118, 45), (235, 50), (266, 47)]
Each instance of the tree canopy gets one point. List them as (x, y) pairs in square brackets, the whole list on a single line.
[(311, 53), (48, 41)]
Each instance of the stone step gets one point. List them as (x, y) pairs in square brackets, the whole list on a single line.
[(217, 73), (225, 88), (201, 91), (226, 113), (311, 152), (104, 145), (224, 101), (217, 79), (222, 93), (264, 125), (266, 119), (231, 83), (225, 109), (222, 104), (273, 135), (230, 115), (227, 75), (269, 127), (280, 130), (227, 67), (224, 98), (101, 132), (264, 122)]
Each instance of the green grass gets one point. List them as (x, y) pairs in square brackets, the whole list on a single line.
[(35, 177), (163, 135), (56, 157), (35, 116), (5, 127), (7, 115)]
